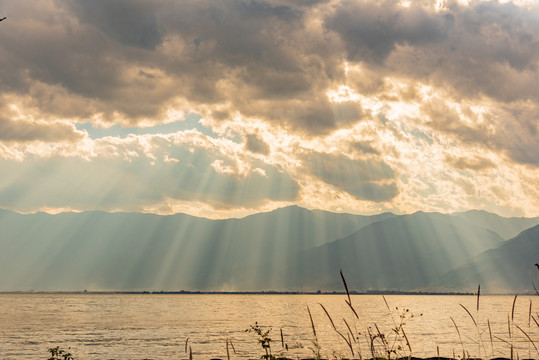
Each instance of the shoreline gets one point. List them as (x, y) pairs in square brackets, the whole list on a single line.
[(270, 292)]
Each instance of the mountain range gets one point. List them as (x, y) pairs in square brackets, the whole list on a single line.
[(286, 249)]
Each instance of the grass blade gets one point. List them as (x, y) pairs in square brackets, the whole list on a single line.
[(535, 321), (458, 332), (529, 338), (329, 317), (186, 341), (312, 322), (530, 314), (490, 334), (469, 313), (513, 309), (346, 288), (349, 301), (478, 293), (349, 330), (348, 342), (407, 342)]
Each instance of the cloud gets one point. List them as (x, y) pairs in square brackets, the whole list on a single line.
[(136, 173), (256, 144), (372, 30), (130, 23), (476, 163), (17, 126), (24, 131), (364, 179), (373, 98)]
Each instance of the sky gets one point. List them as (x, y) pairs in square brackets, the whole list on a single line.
[(226, 108)]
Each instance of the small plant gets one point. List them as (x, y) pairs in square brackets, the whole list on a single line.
[(263, 339), (59, 354)]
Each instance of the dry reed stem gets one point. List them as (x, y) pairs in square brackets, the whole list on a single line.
[(529, 338), (458, 332), (349, 330), (282, 338), (337, 331), (312, 322), (469, 313), (346, 288), (513, 309), (407, 342), (186, 341), (380, 334), (227, 351), (390, 312), (535, 321), (349, 301), (530, 314), (478, 293), (501, 339), (490, 334), (372, 342)]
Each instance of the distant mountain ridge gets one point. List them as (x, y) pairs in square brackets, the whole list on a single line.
[(509, 266), (285, 249), (401, 253), (139, 251), (505, 227)]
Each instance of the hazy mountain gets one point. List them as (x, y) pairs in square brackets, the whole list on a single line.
[(289, 248), (507, 267), (505, 227), (133, 251), (405, 252)]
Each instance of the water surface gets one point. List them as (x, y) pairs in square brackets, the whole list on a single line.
[(156, 326)]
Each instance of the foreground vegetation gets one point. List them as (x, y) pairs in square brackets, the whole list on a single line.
[(371, 342)]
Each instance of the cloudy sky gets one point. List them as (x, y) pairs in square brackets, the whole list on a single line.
[(225, 108)]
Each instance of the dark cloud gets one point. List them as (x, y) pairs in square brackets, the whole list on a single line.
[(472, 49), (369, 179), (133, 58), (129, 22), (255, 144), (364, 147), (472, 163), (372, 30)]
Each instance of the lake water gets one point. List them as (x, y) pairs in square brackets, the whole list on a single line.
[(156, 326)]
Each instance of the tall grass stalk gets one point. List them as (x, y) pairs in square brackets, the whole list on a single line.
[(349, 301), (458, 332), (316, 344), (348, 342)]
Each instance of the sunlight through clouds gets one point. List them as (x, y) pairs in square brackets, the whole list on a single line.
[(229, 108)]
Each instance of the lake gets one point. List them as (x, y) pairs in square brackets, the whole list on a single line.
[(156, 326)]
